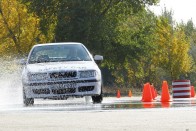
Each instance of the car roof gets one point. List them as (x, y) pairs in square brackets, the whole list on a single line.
[(60, 43)]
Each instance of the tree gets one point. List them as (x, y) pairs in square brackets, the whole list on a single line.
[(82, 20), (19, 29), (190, 32), (173, 46), (136, 48), (46, 10)]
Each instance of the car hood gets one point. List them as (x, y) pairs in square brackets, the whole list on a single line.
[(62, 66)]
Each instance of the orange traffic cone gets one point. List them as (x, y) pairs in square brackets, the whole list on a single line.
[(130, 93), (148, 105), (118, 94), (165, 96), (165, 104), (147, 94), (192, 91)]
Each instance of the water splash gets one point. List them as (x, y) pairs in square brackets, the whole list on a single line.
[(10, 83)]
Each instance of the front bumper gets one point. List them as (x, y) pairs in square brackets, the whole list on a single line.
[(62, 89)]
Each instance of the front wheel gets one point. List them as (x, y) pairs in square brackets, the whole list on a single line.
[(97, 99), (27, 101)]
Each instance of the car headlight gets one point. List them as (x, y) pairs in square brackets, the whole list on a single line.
[(37, 76), (87, 74)]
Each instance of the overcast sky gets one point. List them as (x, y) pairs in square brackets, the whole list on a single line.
[(183, 10)]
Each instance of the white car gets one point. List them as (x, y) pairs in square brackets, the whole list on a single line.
[(59, 71)]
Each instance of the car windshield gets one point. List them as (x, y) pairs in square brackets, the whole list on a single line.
[(58, 53)]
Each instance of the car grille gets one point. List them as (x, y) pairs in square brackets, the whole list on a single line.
[(69, 74), (41, 91), (85, 88), (64, 91)]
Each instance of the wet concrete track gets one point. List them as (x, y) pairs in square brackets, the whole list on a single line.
[(85, 104), (125, 113)]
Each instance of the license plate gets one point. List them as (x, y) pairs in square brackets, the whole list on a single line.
[(68, 85)]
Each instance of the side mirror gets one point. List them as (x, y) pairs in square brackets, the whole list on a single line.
[(22, 62), (98, 58)]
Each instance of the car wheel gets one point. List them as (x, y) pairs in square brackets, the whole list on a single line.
[(97, 99), (27, 101)]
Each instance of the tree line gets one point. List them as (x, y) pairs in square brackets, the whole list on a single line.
[(137, 45)]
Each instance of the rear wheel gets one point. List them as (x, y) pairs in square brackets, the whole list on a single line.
[(98, 99), (27, 101)]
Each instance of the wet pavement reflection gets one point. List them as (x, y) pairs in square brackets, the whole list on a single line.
[(109, 103), (137, 104)]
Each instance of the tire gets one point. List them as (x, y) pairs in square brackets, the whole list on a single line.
[(27, 101), (98, 99)]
